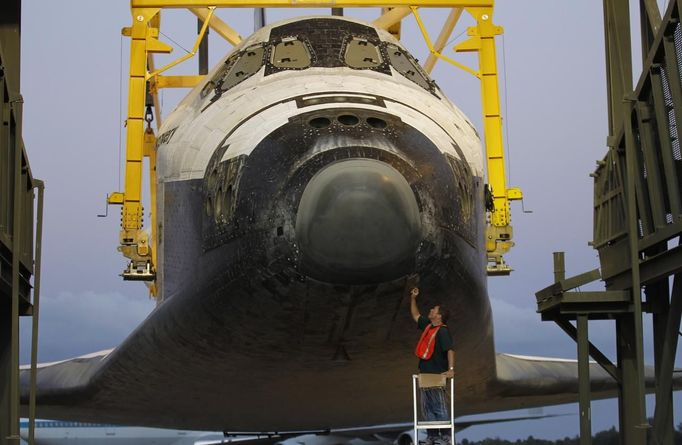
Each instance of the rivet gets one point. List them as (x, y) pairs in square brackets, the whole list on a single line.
[(140, 18), (483, 17)]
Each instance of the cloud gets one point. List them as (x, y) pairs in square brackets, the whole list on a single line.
[(73, 324)]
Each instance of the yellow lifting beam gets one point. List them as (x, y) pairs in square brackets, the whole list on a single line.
[(139, 246)]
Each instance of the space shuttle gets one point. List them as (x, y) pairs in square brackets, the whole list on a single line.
[(314, 170)]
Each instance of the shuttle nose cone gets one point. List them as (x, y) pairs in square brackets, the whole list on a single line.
[(357, 221)]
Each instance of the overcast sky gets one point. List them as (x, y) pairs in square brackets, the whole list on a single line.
[(551, 60)]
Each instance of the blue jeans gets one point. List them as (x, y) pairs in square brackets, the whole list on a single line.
[(434, 407)]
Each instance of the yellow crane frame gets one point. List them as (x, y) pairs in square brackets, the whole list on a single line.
[(140, 247)]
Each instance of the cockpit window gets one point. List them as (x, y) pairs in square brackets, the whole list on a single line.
[(246, 65), (290, 53), (360, 54), (236, 69), (321, 43), (406, 66)]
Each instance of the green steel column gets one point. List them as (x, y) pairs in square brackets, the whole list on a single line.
[(629, 336), (40, 185), (5, 299), (650, 22), (584, 381), (663, 413), (10, 38), (630, 406), (618, 59), (559, 266), (5, 366), (13, 437), (637, 422), (657, 296)]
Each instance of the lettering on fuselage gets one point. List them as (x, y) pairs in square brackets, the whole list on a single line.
[(165, 138)]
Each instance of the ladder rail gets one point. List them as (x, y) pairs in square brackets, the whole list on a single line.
[(433, 425)]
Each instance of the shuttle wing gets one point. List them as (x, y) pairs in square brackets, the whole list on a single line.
[(522, 382), (526, 381), (63, 378)]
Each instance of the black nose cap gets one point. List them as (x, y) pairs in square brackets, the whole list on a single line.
[(358, 222)]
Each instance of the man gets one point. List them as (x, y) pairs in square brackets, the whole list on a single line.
[(436, 356)]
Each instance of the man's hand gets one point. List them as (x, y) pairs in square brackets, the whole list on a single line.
[(450, 374), (413, 303)]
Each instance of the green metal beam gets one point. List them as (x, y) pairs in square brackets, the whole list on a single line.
[(13, 437), (663, 411), (40, 185), (565, 284), (584, 381)]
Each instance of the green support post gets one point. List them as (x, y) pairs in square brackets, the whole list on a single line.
[(584, 380)]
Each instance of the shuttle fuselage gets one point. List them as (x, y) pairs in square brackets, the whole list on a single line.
[(298, 187)]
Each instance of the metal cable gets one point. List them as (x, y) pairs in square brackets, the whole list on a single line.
[(161, 32), (454, 38)]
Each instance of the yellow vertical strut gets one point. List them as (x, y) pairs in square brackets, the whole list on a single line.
[(482, 40), (499, 230), (134, 242)]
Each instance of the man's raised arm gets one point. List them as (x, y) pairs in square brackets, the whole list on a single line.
[(413, 303)]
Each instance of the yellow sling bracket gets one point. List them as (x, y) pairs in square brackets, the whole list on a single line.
[(160, 82), (195, 48), (443, 37), (223, 29), (433, 50)]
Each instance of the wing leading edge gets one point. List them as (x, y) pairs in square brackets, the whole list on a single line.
[(526, 382)]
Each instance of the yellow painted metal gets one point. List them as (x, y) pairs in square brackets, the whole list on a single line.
[(177, 81), (150, 153), (443, 37), (499, 232), (310, 3), (155, 22), (194, 50), (115, 198), (391, 17), (223, 29), (133, 241), (154, 91), (433, 50), (394, 29)]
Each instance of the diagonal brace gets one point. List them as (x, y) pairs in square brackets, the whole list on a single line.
[(595, 353)]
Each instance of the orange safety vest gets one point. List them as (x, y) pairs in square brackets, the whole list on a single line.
[(427, 342)]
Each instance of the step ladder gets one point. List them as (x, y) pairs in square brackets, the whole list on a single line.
[(433, 424)]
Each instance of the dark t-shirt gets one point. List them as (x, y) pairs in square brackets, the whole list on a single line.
[(439, 360)]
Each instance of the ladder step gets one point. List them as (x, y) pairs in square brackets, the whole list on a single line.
[(427, 425), (439, 427)]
